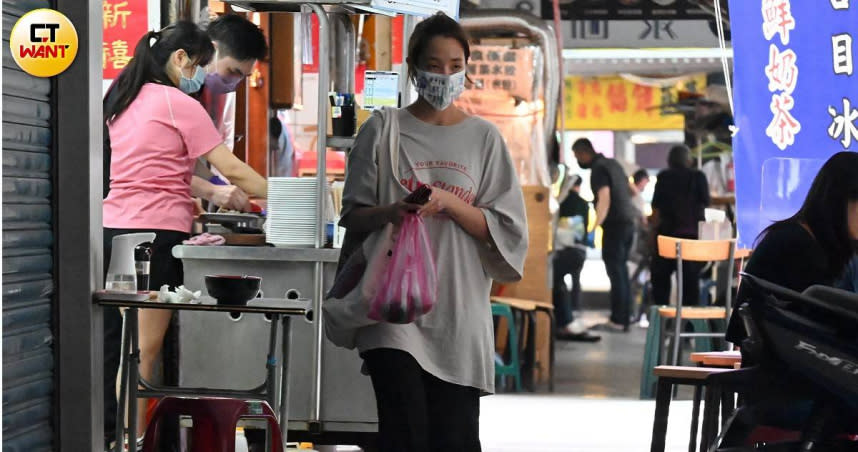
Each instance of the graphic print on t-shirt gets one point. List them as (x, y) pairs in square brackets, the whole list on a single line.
[(451, 176)]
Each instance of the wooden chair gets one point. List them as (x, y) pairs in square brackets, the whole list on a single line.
[(529, 309), (695, 251)]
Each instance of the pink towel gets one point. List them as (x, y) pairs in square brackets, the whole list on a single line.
[(205, 239)]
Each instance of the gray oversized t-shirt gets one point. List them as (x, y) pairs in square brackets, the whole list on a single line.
[(454, 341)]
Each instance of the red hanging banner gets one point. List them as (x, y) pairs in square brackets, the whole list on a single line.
[(396, 26), (124, 23), (313, 68)]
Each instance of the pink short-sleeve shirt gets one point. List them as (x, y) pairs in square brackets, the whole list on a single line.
[(154, 144)]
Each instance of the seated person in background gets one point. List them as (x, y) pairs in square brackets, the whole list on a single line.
[(816, 244), (569, 260), (282, 155), (681, 195), (640, 254), (640, 179)]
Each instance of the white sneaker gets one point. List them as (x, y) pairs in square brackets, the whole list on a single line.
[(576, 327), (643, 322)]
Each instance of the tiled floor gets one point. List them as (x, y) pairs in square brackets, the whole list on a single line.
[(544, 423), (595, 407)]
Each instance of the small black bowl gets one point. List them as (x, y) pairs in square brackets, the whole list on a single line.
[(233, 290)]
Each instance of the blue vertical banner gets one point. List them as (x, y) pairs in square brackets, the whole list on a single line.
[(796, 101)]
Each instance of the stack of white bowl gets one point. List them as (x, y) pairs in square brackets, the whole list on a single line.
[(292, 207)]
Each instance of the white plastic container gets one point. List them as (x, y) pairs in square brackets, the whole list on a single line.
[(241, 441)]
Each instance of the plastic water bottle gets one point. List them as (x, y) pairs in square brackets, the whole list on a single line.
[(240, 441)]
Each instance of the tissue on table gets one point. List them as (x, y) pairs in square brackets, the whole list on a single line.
[(714, 215), (180, 295), (716, 226)]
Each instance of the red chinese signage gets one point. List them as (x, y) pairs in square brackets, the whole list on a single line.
[(124, 23), (396, 25)]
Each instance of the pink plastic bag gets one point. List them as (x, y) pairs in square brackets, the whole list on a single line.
[(408, 286)]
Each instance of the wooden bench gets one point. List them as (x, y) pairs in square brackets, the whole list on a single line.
[(670, 376), (529, 308)]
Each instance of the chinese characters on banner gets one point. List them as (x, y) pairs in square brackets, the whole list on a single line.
[(789, 124), (782, 72), (124, 23), (503, 68), (844, 122), (613, 103)]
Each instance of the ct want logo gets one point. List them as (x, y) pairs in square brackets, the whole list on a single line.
[(43, 42)]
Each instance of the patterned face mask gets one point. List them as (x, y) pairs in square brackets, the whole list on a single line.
[(440, 90)]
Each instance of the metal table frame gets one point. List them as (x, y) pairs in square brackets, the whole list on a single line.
[(130, 377)]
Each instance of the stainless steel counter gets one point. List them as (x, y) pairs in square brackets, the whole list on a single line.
[(223, 350), (257, 253)]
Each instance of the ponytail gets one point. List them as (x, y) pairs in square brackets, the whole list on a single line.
[(151, 54)]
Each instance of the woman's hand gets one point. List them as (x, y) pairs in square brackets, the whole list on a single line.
[(439, 201), (396, 212), (230, 197), (470, 218)]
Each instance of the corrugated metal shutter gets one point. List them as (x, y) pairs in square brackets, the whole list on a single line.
[(28, 360)]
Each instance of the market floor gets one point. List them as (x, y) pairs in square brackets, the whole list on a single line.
[(595, 406), (555, 423)]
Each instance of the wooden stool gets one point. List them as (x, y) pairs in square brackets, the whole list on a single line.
[(668, 377), (728, 359), (655, 352), (529, 308)]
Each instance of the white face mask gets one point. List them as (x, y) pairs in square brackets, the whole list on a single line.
[(440, 90)]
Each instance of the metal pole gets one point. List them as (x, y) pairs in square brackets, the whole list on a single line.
[(321, 188), (404, 83), (124, 357), (343, 57), (271, 363), (284, 377), (134, 372), (728, 300), (677, 327)]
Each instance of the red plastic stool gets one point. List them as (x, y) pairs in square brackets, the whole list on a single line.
[(215, 420)]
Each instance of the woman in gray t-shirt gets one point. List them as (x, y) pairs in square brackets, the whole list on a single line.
[(428, 375)]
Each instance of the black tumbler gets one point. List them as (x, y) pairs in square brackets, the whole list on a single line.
[(142, 258)]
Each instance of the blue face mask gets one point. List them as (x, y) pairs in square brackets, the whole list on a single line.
[(192, 85)]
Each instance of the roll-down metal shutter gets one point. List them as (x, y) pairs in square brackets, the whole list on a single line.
[(28, 284)]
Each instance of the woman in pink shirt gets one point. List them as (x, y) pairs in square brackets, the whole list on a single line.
[(157, 131)]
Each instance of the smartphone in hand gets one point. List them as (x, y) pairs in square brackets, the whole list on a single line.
[(420, 195)]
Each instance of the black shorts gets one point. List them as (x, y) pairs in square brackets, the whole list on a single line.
[(163, 268)]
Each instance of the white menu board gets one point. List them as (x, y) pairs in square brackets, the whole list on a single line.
[(381, 89)]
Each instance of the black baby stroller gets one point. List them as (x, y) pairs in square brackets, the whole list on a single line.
[(800, 369)]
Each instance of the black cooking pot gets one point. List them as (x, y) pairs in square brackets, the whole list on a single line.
[(233, 290)]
